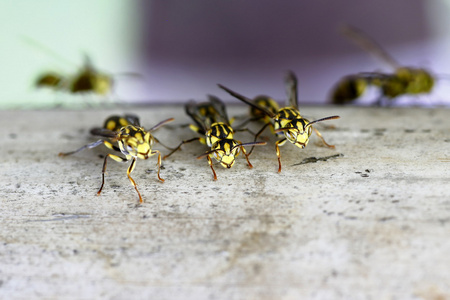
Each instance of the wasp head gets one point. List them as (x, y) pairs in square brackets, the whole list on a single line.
[(296, 131), (135, 141), (225, 152)]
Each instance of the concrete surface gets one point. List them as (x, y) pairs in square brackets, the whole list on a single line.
[(370, 223)]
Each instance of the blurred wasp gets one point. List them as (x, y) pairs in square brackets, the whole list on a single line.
[(403, 81), (211, 121), (286, 120), (133, 141), (87, 80)]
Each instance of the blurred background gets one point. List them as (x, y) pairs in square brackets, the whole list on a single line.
[(183, 49)]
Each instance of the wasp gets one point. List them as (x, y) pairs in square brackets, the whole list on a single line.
[(212, 123), (87, 79), (403, 81), (133, 141), (286, 120)]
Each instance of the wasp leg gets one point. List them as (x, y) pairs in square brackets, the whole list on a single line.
[(130, 169), (116, 158), (248, 120), (246, 156), (111, 146), (88, 146), (211, 165), (257, 135), (158, 141), (323, 140), (277, 144), (158, 163), (181, 144)]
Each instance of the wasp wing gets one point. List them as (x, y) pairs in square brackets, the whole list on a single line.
[(369, 45), (103, 132), (291, 89), (247, 101), (191, 109), (219, 106), (132, 120)]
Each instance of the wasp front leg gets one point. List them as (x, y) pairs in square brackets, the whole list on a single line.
[(247, 155), (323, 140), (211, 165), (116, 158), (181, 144), (158, 164), (258, 134), (277, 148), (130, 169)]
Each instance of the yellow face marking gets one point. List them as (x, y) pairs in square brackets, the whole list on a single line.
[(135, 141), (295, 128), (225, 152)]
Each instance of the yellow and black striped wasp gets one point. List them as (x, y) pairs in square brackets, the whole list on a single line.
[(403, 81), (286, 120), (211, 121), (133, 141)]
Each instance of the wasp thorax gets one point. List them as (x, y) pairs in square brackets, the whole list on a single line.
[(218, 131)]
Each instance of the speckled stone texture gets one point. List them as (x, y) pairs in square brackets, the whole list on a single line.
[(367, 220)]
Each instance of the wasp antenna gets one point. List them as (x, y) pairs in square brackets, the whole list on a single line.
[(161, 124), (205, 154), (246, 100), (251, 144), (291, 88), (323, 119), (46, 50)]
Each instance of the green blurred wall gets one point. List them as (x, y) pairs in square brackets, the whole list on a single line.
[(106, 30)]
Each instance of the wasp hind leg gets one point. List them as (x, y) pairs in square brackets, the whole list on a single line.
[(130, 169)]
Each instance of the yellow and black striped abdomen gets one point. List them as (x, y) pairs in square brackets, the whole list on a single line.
[(115, 123), (266, 102)]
